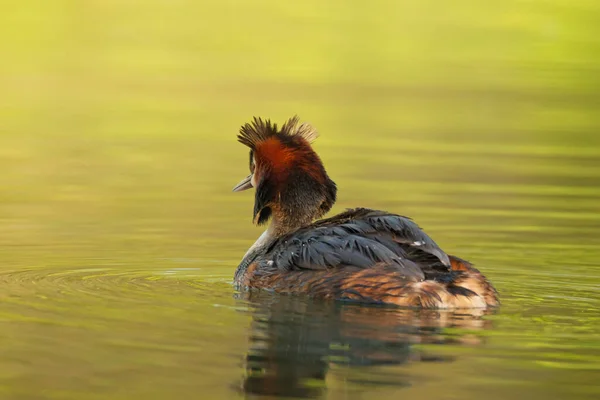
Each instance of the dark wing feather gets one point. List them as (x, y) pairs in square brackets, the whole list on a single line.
[(360, 238), (403, 229)]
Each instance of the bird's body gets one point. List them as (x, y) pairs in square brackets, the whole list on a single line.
[(360, 255)]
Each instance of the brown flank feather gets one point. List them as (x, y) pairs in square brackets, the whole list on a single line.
[(377, 284)]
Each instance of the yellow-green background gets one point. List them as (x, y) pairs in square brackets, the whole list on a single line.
[(119, 234)]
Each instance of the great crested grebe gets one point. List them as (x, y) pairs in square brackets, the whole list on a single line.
[(359, 255)]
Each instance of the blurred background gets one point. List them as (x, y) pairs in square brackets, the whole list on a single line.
[(119, 233)]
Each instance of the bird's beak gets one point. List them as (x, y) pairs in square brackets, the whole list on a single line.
[(246, 183)]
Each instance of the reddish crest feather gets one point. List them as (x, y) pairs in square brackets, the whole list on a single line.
[(277, 159), (272, 152), (275, 154)]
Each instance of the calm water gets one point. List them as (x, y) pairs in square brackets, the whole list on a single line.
[(119, 235)]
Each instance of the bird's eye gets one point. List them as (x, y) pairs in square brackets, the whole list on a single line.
[(252, 162)]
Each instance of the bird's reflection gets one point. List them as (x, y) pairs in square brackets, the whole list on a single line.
[(294, 341)]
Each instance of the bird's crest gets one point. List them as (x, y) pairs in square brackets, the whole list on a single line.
[(259, 130)]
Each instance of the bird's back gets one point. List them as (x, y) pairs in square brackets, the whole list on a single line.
[(366, 255)]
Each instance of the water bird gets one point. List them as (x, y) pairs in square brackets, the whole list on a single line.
[(360, 255)]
